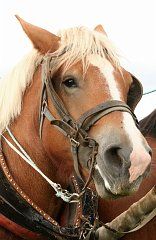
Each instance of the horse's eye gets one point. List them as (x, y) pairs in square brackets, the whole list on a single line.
[(70, 83)]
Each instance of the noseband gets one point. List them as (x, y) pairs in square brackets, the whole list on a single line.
[(76, 131)]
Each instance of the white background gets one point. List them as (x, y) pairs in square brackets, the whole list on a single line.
[(130, 24)]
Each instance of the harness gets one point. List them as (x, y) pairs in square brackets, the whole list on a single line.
[(22, 216), (16, 207)]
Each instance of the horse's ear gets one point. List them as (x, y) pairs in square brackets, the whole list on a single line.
[(99, 28), (42, 40)]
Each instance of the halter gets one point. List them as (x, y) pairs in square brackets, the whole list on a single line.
[(76, 131)]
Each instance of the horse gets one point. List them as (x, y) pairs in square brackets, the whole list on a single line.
[(67, 119), (109, 210)]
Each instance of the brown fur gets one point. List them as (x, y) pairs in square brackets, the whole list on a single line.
[(108, 210)]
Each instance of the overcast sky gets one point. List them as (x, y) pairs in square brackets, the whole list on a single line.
[(130, 24)]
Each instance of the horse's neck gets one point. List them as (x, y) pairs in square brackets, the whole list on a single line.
[(25, 129), (152, 143)]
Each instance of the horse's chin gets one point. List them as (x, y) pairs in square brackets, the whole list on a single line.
[(106, 192)]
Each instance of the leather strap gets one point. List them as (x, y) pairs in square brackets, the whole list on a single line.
[(89, 118), (18, 230), (63, 113), (15, 208), (26, 220)]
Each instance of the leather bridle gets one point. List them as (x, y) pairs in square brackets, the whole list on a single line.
[(76, 131)]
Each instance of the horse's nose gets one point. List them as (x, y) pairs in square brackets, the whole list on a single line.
[(127, 161), (140, 163)]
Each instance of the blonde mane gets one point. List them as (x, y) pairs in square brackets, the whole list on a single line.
[(76, 44), (12, 88)]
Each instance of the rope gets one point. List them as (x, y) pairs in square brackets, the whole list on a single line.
[(60, 192), (149, 92)]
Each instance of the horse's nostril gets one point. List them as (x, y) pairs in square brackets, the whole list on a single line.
[(114, 151), (112, 157), (117, 157)]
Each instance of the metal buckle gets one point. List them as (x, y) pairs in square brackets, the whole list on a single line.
[(74, 142)]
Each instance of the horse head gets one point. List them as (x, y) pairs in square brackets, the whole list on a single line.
[(82, 71)]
